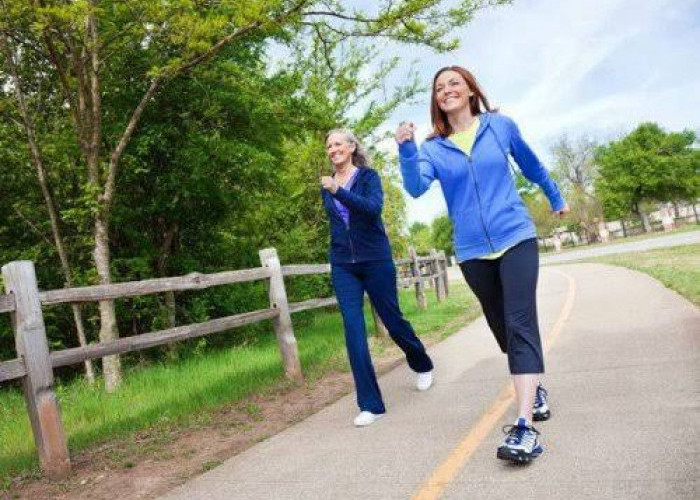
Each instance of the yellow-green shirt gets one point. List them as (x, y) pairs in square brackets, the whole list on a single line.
[(465, 141)]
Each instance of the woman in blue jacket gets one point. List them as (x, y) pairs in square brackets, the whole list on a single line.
[(494, 236), (361, 261)]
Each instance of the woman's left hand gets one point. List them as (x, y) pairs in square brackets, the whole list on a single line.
[(563, 211), (328, 183)]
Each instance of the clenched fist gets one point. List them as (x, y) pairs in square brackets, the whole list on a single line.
[(328, 183), (563, 211), (405, 132)]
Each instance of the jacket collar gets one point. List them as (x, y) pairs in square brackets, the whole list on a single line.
[(361, 172)]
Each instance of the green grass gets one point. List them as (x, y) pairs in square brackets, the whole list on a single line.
[(678, 268), (164, 396)]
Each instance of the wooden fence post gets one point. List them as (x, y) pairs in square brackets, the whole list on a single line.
[(437, 271), (415, 271), (283, 321), (380, 329), (32, 346), (443, 268)]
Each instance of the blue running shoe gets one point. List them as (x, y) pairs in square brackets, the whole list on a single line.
[(540, 410), (520, 445)]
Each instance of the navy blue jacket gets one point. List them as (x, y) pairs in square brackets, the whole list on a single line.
[(363, 238)]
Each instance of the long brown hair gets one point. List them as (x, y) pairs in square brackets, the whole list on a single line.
[(441, 126)]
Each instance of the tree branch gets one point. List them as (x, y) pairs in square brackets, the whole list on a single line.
[(341, 16), (33, 226), (108, 196), (326, 49), (36, 156)]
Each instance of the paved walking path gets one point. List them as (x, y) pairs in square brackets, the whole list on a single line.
[(670, 240), (623, 373)]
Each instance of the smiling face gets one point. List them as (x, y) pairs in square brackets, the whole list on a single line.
[(339, 149), (452, 92)]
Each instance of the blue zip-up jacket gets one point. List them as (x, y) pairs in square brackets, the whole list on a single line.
[(364, 237), (485, 208)]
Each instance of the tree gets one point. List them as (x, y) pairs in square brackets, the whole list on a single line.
[(541, 212), (419, 237), (78, 57), (647, 165), (46, 190), (441, 234), (576, 171)]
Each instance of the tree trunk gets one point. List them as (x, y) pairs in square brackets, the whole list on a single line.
[(111, 366), (645, 220), (90, 64), (171, 308), (165, 251), (82, 340), (695, 211), (624, 229), (48, 198)]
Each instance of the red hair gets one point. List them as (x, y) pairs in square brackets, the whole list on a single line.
[(441, 126)]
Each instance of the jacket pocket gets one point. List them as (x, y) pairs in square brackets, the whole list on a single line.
[(468, 229), (508, 220)]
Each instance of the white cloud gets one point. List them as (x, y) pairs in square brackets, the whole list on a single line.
[(579, 67)]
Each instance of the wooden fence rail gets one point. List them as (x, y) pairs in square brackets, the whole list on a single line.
[(192, 281), (35, 362)]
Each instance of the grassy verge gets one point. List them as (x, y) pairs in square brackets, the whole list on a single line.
[(189, 392), (678, 268)]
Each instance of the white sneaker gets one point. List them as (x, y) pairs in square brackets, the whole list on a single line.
[(366, 418), (424, 380)]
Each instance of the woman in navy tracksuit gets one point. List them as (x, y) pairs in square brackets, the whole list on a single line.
[(494, 236), (361, 261)]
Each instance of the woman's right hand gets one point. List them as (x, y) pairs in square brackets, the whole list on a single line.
[(404, 132)]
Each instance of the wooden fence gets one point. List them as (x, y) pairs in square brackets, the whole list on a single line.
[(35, 363)]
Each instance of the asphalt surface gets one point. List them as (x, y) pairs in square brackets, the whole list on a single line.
[(673, 239), (623, 374)]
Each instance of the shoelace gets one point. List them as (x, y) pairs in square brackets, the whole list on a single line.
[(515, 433), (540, 395)]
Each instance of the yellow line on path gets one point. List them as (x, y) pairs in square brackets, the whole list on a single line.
[(445, 473)]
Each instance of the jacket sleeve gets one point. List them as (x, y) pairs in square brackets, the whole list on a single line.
[(417, 171), (532, 168), (370, 204)]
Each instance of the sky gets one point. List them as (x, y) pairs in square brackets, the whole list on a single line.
[(575, 67)]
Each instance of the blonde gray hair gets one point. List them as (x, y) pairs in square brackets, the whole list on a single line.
[(360, 157)]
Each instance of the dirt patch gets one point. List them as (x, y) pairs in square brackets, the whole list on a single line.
[(151, 463)]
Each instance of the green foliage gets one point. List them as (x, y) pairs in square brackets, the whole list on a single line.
[(441, 234), (226, 156), (647, 165), (541, 213), (394, 212), (437, 235), (576, 171), (419, 237)]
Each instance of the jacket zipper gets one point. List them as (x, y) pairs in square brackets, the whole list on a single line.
[(352, 248), (478, 199), (347, 225)]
